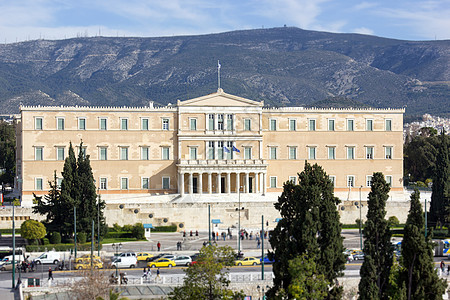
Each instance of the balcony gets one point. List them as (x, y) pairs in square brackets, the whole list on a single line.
[(222, 162)]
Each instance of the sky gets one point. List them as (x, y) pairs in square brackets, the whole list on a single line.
[(22, 20)]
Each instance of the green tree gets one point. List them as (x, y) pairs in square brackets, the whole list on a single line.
[(420, 157), (440, 197), (310, 224), (32, 230), (378, 251), (138, 231), (208, 278), (69, 192), (418, 273), (7, 152), (307, 282)]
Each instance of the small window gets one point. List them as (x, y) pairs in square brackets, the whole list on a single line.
[(229, 122), (247, 152), (193, 124), (193, 152), (273, 181), (60, 153), (58, 183), (350, 152), (145, 183), (273, 125), (389, 180), (369, 180), (332, 179), (38, 123), (165, 153), (39, 153), (220, 122), (103, 124), (165, 124), (123, 124), (388, 124), (311, 124), (123, 153), (331, 152), (388, 152), (166, 183), (229, 150), (144, 123), (82, 150), (369, 152), (272, 152), (211, 150), (81, 123), (211, 122), (351, 181), (292, 152), (311, 152), (38, 184), (124, 183), (60, 123), (103, 153), (144, 153), (369, 125), (220, 153), (292, 179), (331, 124), (247, 124), (103, 183), (350, 125), (292, 124)]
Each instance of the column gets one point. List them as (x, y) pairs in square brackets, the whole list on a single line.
[(246, 183), (238, 184), (209, 183), (181, 183), (256, 183), (264, 184), (191, 183), (219, 183), (200, 183), (228, 183)]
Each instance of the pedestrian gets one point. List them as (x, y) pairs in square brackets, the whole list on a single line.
[(181, 246), (246, 235), (442, 266), (265, 234), (50, 274), (258, 243), (145, 274), (196, 233), (191, 233), (251, 235), (159, 246), (217, 236), (184, 233), (178, 246), (157, 274), (448, 270), (213, 235), (204, 243), (224, 236)]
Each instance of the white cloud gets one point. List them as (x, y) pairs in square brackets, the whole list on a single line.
[(365, 5), (363, 30)]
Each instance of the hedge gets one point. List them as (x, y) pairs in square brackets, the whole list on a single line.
[(169, 228), (59, 247), (116, 235)]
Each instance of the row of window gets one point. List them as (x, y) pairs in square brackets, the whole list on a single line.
[(103, 123), (350, 180), (214, 122), (220, 150)]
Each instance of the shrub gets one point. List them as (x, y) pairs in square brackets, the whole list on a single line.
[(81, 237), (32, 230), (421, 184), (393, 221), (169, 228), (55, 238), (127, 228), (45, 241), (138, 231), (116, 228)]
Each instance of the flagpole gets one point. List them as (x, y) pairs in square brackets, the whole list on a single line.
[(218, 75)]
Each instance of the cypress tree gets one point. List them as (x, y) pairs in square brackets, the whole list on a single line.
[(440, 197), (418, 273), (378, 250), (309, 225)]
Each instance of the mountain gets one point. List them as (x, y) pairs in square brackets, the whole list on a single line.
[(283, 66)]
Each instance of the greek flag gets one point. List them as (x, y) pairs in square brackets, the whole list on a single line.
[(236, 149), (218, 65), (225, 149)]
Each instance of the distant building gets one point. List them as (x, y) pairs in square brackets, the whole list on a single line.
[(215, 144)]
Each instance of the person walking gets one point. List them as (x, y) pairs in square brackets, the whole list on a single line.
[(50, 273), (258, 243), (159, 246), (157, 275), (442, 266)]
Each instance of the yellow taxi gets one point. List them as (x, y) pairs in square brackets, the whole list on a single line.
[(143, 256), (161, 263), (86, 257), (248, 261), (86, 264)]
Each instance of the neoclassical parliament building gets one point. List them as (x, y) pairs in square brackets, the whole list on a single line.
[(212, 147)]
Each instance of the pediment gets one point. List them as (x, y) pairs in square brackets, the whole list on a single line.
[(220, 99)]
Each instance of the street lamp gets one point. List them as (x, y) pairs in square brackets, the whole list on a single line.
[(116, 248), (263, 292), (238, 209)]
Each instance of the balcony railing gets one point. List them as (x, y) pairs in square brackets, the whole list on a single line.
[(221, 162)]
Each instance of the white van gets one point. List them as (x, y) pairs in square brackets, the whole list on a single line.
[(50, 257), (18, 258), (124, 262)]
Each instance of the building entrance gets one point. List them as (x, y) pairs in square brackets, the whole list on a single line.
[(222, 185), (194, 185)]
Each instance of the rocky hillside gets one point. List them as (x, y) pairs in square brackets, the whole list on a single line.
[(282, 66)]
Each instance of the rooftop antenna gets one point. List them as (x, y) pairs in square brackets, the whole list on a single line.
[(218, 75)]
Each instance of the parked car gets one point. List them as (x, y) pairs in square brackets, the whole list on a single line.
[(161, 262), (86, 257), (157, 256), (183, 260), (267, 260), (169, 256), (143, 256), (124, 262), (247, 261), (6, 265), (50, 257), (86, 264), (358, 255)]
